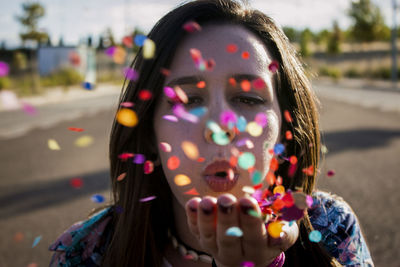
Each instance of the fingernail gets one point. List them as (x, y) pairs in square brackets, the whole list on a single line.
[(225, 205), (207, 207), (192, 207), (246, 208)]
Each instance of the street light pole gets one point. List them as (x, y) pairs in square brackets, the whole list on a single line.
[(394, 45)]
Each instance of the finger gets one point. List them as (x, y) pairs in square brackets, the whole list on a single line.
[(206, 223), (289, 235), (229, 247), (254, 232), (191, 209)]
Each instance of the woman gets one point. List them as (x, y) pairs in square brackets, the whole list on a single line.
[(218, 67)]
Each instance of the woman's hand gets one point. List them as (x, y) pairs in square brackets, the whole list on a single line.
[(209, 219)]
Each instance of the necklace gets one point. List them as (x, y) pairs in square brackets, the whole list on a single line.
[(189, 254)]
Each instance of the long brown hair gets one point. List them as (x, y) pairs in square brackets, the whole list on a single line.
[(140, 230)]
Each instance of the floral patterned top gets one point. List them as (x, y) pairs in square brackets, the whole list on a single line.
[(81, 244)]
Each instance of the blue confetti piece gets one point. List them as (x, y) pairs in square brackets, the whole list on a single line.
[(234, 231), (199, 112), (241, 124), (257, 178), (139, 39), (98, 198), (88, 85), (278, 149), (36, 241), (315, 236)]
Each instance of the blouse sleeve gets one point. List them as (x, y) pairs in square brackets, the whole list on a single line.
[(341, 233)]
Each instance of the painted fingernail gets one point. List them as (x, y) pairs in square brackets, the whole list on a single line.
[(207, 207), (192, 206), (225, 205), (246, 208)]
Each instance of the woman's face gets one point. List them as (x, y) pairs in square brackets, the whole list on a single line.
[(214, 170)]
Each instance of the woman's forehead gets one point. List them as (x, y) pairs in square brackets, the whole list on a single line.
[(215, 42)]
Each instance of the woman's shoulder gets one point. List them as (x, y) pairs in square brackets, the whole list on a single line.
[(80, 244), (340, 229)]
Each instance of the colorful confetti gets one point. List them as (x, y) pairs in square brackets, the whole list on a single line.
[(241, 124), (125, 156), (231, 48), (287, 116), (4, 69), (119, 55), (247, 264), (98, 198), (179, 111), (18, 237), (201, 84), (234, 231), (245, 55), (149, 48), (330, 173), (76, 183), (147, 199), (288, 135), (145, 95), (88, 86), (148, 167), (84, 141), (121, 176), (127, 117), (309, 171), (273, 66), (191, 27), (256, 178), (53, 145), (173, 162), (199, 111), (190, 150), (75, 129), (315, 236), (192, 192), (261, 119), (245, 85), (324, 149), (254, 129), (127, 104), (9, 100), (28, 108), (182, 180), (74, 58), (170, 118), (165, 147), (110, 51), (181, 95), (278, 149), (248, 190), (139, 159), (246, 160), (275, 229), (127, 41), (259, 84), (139, 39), (36, 241), (131, 74)]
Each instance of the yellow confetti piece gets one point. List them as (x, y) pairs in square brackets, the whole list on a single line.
[(254, 129), (181, 180), (127, 117), (275, 229), (248, 189), (279, 189), (53, 145), (84, 141), (190, 150), (149, 48)]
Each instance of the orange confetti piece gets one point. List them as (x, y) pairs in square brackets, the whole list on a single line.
[(192, 192), (201, 159), (245, 55), (274, 164), (201, 84), (165, 72), (173, 163), (74, 129), (233, 161), (181, 94), (190, 150), (231, 48), (127, 117), (287, 116), (121, 176), (289, 135), (182, 180), (245, 85), (309, 171), (279, 189), (18, 237), (293, 160), (278, 204), (232, 82), (275, 229), (270, 178)]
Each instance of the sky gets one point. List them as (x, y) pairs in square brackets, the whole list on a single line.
[(75, 20)]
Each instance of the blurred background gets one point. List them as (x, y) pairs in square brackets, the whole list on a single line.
[(62, 66)]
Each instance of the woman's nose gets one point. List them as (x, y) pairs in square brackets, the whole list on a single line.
[(222, 136)]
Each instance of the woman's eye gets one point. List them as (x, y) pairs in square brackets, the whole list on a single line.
[(248, 100), (194, 101)]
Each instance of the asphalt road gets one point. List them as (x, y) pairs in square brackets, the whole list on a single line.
[(37, 200)]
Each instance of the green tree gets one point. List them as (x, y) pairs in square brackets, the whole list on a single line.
[(335, 39), (368, 22), (306, 37), (291, 33)]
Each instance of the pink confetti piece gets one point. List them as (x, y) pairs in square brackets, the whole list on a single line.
[(274, 66), (170, 118), (29, 109), (165, 147), (127, 104), (131, 74), (4, 69), (191, 26), (259, 84), (330, 173), (110, 51), (261, 119), (227, 117), (147, 199), (180, 112), (169, 92)]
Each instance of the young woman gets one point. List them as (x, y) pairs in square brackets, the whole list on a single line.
[(222, 112)]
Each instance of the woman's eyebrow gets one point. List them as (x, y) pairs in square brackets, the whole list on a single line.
[(249, 77), (184, 80)]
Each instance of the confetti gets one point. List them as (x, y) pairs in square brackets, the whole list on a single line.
[(165, 72), (131, 74), (199, 111), (127, 104), (53, 145), (165, 147), (127, 117), (147, 199), (279, 189), (315, 236), (261, 119), (278, 204), (324, 149), (170, 118), (273, 66), (182, 180), (256, 178), (245, 55), (191, 26), (234, 231), (247, 264), (246, 160), (98, 198), (74, 129), (293, 159), (288, 200), (149, 47), (275, 229), (181, 95), (139, 39), (273, 165), (18, 237), (169, 92), (278, 149), (173, 162), (119, 55), (127, 41), (270, 178), (180, 112), (231, 48), (148, 167), (220, 138), (145, 95), (330, 173), (76, 183), (309, 171), (110, 51), (241, 124), (9, 100), (245, 85), (254, 213), (287, 116), (121, 176), (232, 82), (125, 156), (201, 84), (288, 135), (36, 241), (28, 108), (4, 69), (227, 117), (259, 84), (84, 141), (74, 58), (192, 192), (254, 129), (190, 150), (87, 86), (248, 189), (139, 159), (210, 64)]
